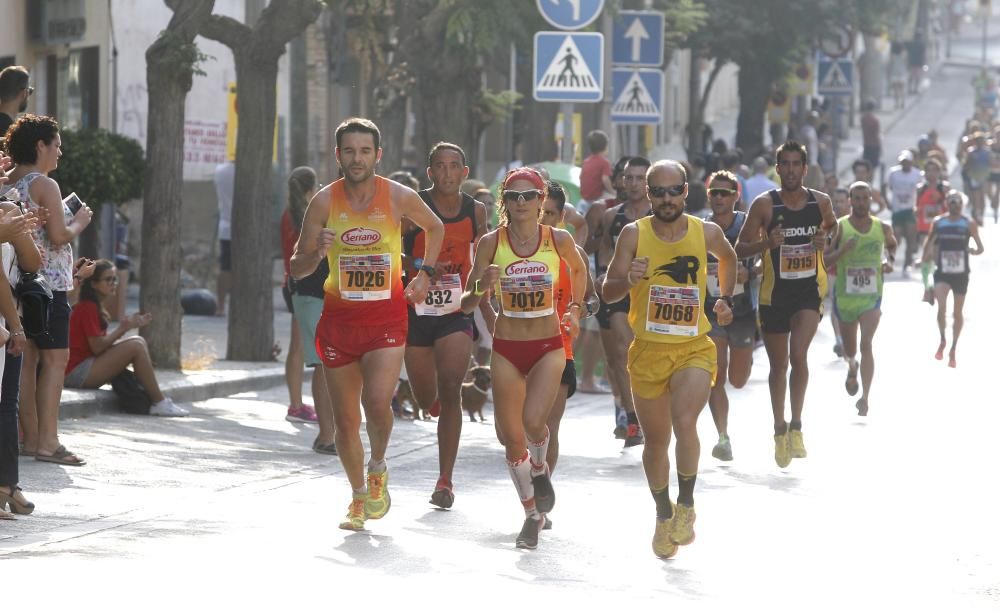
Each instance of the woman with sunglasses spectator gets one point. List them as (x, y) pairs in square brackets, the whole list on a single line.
[(34, 145), (96, 356), (520, 261)]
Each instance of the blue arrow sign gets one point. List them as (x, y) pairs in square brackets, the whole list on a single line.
[(638, 38), (834, 76), (569, 67), (637, 96), (570, 14)]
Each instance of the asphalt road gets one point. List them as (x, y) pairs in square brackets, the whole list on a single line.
[(229, 509)]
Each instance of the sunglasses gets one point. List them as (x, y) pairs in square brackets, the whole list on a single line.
[(721, 192), (662, 191), (524, 195)]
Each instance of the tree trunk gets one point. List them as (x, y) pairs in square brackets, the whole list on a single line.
[(299, 126), (755, 85), (251, 312), (256, 52), (168, 81)]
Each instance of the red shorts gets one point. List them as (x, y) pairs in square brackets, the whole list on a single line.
[(340, 345), (523, 354)]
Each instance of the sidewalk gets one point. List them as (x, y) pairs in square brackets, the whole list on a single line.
[(203, 348)]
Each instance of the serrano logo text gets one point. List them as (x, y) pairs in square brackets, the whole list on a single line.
[(799, 231), (526, 267), (361, 236)]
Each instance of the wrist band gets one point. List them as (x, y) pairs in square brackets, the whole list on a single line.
[(477, 291)]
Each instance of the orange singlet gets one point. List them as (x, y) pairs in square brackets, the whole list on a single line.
[(365, 285)]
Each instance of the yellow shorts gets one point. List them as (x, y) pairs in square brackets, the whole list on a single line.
[(651, 364)]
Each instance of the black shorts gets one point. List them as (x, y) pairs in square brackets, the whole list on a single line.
[(287, 296), (225, 255), (959, 282), (778, 318), (58, 335), (425, 330), (740, 333), (607, 309), (569, 377)]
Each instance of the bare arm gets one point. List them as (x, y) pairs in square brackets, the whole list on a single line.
[(45, 192), (578, 273), (834, 250), (753, 240), (625, 269), (581, 229), (484, 255), (890, 237), (100, 343), (314, 238), (974, 232), (595, 223), (719, 247), (410, 205)]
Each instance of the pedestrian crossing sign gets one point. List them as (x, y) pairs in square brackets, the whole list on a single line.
[(637, 95), (835, 76), (569, 67)]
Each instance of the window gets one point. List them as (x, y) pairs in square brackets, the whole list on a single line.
[(74, 88)]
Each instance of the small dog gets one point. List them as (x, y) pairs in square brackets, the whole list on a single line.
[(474, 391)]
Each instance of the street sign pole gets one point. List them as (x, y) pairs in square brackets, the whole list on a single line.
[(566, 155)]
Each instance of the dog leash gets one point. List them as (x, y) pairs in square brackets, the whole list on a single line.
[(473, 384)]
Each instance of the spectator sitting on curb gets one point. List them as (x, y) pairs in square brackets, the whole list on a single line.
[(97, 356)]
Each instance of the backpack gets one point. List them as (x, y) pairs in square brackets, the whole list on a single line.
[(132, 398)]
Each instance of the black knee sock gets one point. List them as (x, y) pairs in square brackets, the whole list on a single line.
[(632, 418), (685, 489), (795, 425), (664, 510)]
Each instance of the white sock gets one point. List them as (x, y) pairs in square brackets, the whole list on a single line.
[(520, 473), (376, 466), (537, 452)]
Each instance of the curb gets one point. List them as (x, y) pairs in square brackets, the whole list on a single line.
[(179, 386)]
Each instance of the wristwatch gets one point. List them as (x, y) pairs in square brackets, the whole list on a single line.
[(428, 269), (728, 299)]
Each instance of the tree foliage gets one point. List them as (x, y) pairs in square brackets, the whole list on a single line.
[(101, 167)]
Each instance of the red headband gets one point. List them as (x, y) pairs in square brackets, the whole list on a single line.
[(526, 173)]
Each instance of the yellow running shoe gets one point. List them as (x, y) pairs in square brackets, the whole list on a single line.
[(378, 501), (355, 519), (781, 454), (796, 447), (663, 547), (682, 525)]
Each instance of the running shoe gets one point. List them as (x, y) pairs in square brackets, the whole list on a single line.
[(682, 525), (545, 496), (443, 497), (723, 451), (663, 547), (378, 501), (929, 296), (838, 350), (796, 447), (547, 524), (862, 407), (355, 519), (634, 436), (528, 537), (621, 423), (851, 383), (301, 414), (781, 455)]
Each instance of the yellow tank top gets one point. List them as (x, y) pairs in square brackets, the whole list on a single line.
[(667, 305), (365, 282), (527, 282)]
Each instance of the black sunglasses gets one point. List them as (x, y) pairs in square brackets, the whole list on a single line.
[(525, 195), (662, 191), (721, 192)]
